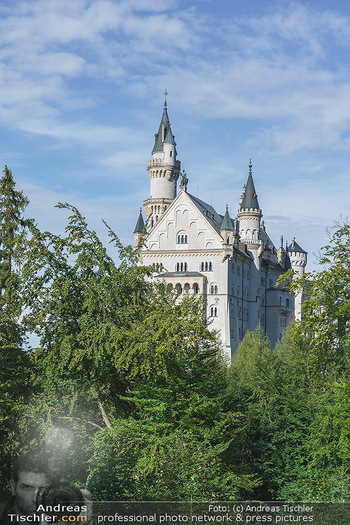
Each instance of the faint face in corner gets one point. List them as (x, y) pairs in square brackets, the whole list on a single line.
[(26, 489)]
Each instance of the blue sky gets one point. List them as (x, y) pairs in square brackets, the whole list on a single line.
[(81, 96)]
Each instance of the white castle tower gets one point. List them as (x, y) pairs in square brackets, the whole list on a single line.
[(298, 261), (249, 213), (163, 170)]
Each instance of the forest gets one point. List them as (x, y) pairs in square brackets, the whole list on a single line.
[(128, 392)]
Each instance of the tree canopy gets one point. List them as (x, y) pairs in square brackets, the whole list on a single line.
[(136, 379)]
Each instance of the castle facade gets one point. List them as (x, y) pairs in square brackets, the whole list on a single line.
[(231, 260)]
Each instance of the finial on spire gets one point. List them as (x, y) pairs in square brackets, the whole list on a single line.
[(226, 207), (250, 166), (165, 95)]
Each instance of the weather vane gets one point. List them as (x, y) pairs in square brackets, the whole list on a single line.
[(165, 95)]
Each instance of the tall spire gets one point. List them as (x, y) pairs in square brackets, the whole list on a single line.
[(164, 134), (250, 198)]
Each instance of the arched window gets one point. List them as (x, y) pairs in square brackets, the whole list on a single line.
[(185, 267), (178, 288), (182, 267), (177, 267), (206, 266), (213, 311), (196, 288), (181, 237), (210, 267), (287, 303)]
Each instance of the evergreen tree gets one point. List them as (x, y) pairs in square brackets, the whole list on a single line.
[(14, 362), (271, 389), (13, 229)]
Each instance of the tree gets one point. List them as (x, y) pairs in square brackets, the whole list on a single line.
[(82, 305), (328, 444), (13, 231), (180, 429), (323, 335), (14, 362), (137, 371), (272, 390)]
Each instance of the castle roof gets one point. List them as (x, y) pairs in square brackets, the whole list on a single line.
[(208, 211), (168, 136), (227, 222), (140, 225), (250, 198), (294, 247), (180, 274)]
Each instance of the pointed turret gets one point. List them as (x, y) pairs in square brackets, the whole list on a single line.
[(298, 261), (249, 212), (227, 222), (227, 228), (163, 170), (164, 134), (140, 225), (249, 197), (298, 257), (140, 229)]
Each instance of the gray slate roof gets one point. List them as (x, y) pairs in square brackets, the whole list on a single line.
[(180, 274), (208, 211), (168, 136), (227, 222), (294, 247), (140, 225), (250, 199)]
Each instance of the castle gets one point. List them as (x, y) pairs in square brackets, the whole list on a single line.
[(231, 260)]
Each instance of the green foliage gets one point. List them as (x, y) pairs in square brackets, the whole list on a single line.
[(83, 306), (142, 367), (13, 231), (273, 391), (139, 380), (329, 444), (180, 428), (324, 332), (14, 362)]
